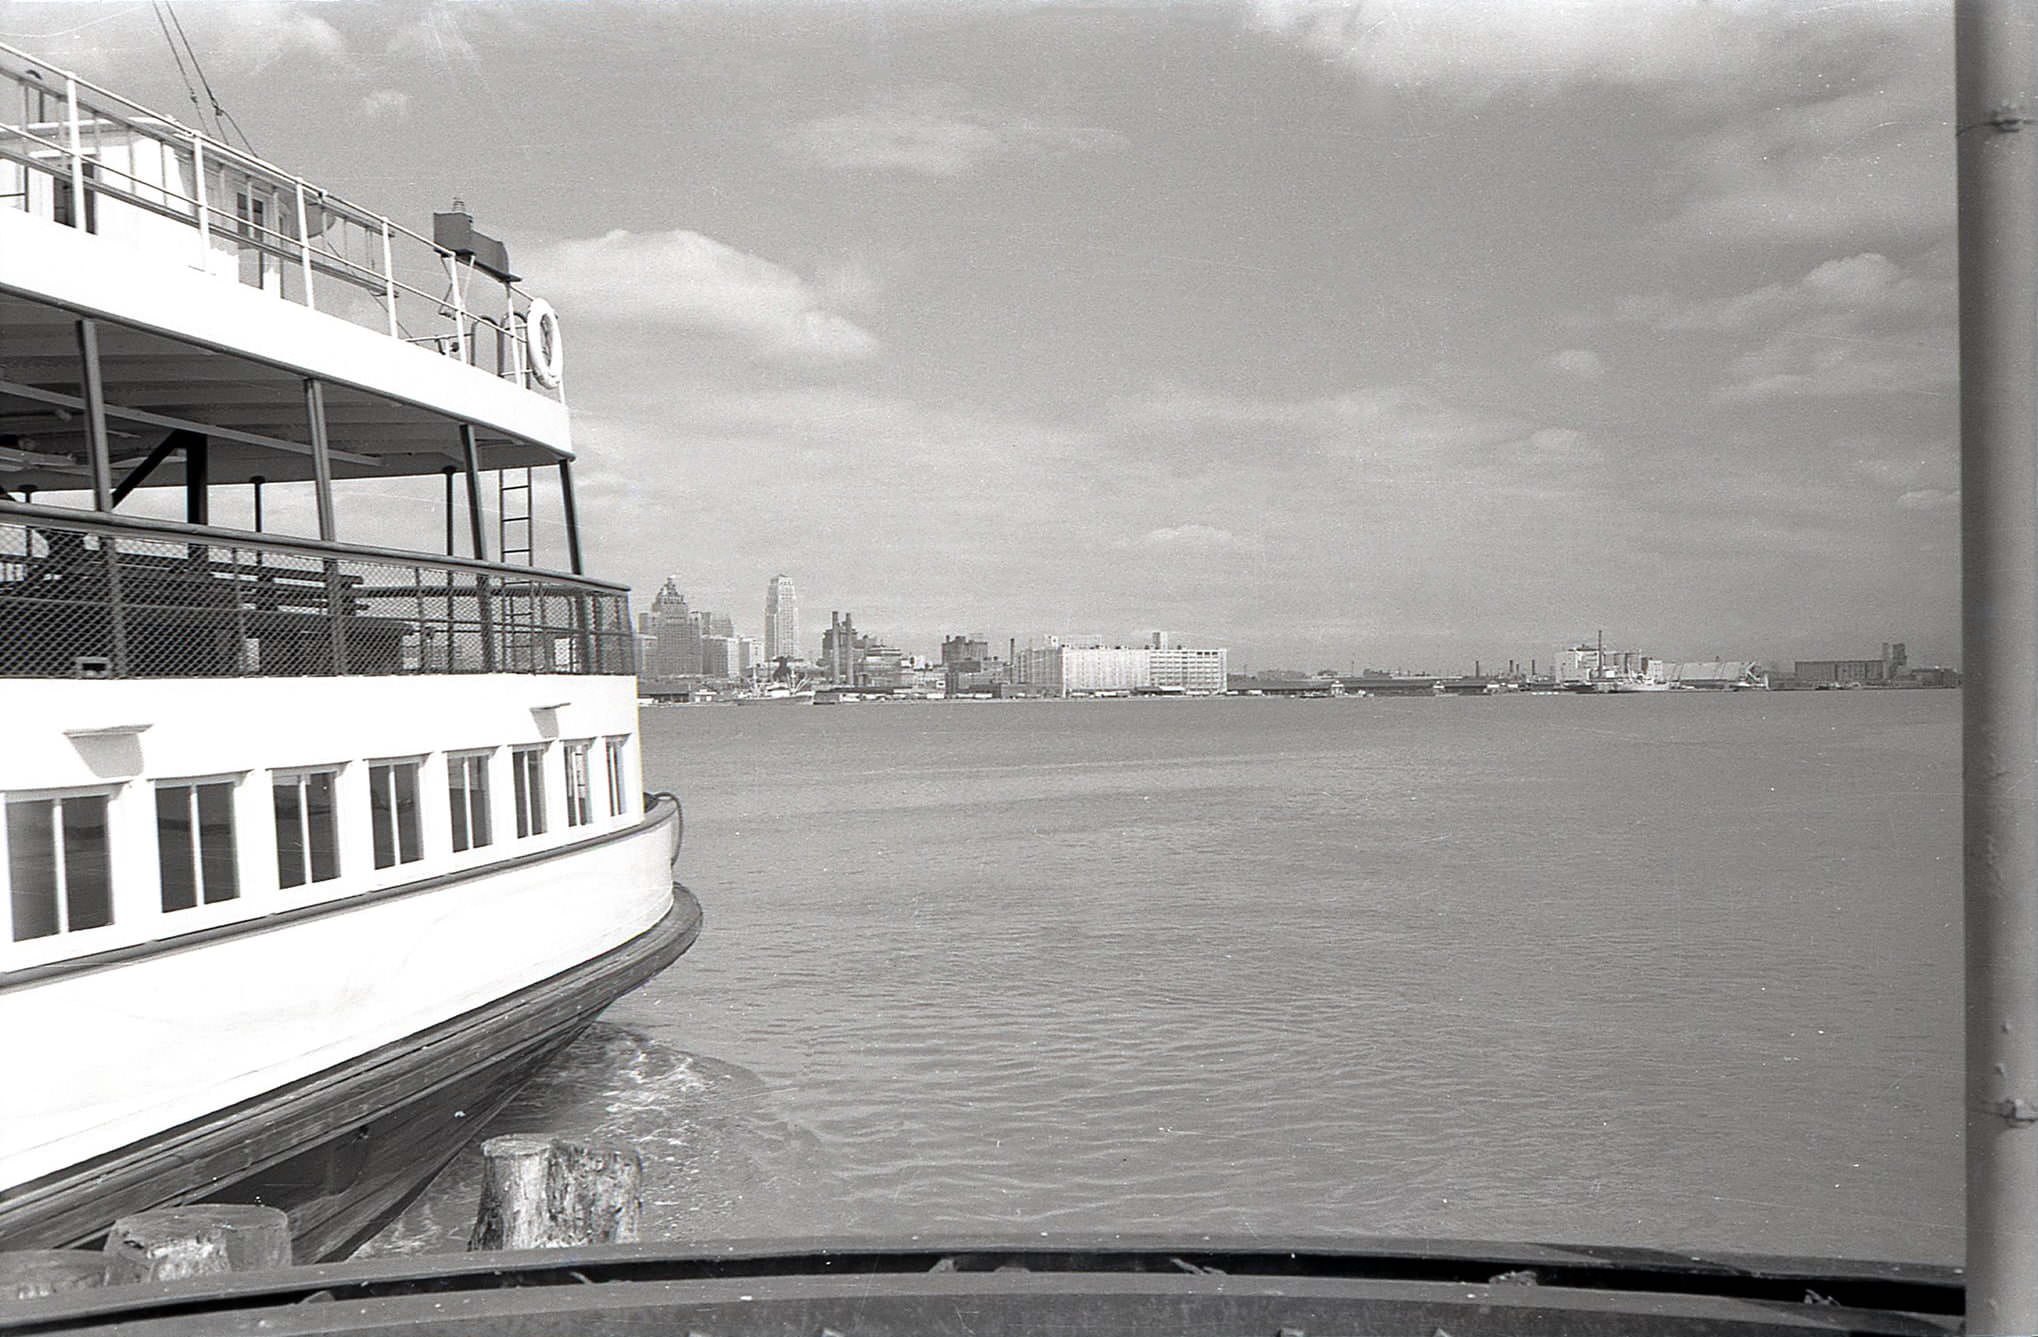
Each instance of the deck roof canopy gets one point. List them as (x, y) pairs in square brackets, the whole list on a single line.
[(253, 414)]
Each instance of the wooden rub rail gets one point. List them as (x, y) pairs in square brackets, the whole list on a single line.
[(81, 597)]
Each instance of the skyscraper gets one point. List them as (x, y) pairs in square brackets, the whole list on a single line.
[(677, 652), (781, 620)]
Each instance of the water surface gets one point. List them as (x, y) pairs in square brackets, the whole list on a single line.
[(1677, 970)]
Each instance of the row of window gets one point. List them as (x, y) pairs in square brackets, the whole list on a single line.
[(59, 859)]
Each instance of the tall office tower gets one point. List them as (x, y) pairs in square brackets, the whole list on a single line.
[(720, 624), (677, 652), (781, 620)]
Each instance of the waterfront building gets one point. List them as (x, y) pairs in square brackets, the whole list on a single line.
[(781, 619), (1582, 663), (1186, 670), (749, 654), (1089, 669), (721, 657), (676, 652), (967, 667), (965, 649), (1712, 674), (838, 649), (1070, 669), (880, 667)]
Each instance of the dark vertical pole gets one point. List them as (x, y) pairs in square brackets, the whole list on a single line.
[(258, 480), (321, 456), (102, 487), (582, 616), (1996, 143), (197, 480), (448, 472), (95, 415), (470, 452), (572, 515), (322, 472)]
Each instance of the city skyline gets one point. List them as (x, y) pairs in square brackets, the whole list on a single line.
[(1545, 653), (1400, 330)]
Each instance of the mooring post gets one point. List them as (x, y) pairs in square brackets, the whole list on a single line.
[(30, 1274), (195, 1241), (540, 1191)]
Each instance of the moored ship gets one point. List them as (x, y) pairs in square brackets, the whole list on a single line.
[(314, 848)]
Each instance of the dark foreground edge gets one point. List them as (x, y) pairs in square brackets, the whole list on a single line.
[(1120, 1285), (345, 1150)]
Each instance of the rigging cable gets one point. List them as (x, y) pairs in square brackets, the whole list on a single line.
[(219, 112), (177, 56)]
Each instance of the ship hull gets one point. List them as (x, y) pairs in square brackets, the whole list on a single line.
[(345, 1148)]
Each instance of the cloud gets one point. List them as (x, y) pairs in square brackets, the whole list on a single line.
[(435, 36), (296, 32), (1473, 49), (1869, 282), (1195, 536), (1580, 362), (934, 132), (1875, 161), (386, 104), (1788, 121), (1828, 359), (683, 280), (1855, 325)]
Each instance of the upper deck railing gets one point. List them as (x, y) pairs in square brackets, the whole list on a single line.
[(86, 157), (85, 596)]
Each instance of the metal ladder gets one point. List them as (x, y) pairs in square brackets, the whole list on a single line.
[(526, 650)]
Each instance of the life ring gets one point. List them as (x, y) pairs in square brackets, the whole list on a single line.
[(541, 339)]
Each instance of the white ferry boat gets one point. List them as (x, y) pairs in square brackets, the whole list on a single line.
[(312, 849)]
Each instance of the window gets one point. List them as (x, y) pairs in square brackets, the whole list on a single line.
[(195, 843), (619, 800), (307, 832), (393, 808), (579, 790), (58, 866), (527, 768), (467, 787)]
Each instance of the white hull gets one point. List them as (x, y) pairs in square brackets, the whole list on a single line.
[(165, 1016)]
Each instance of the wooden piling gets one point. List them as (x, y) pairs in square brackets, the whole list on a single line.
[(540, 1191), (28, 1274), (196, 1240)]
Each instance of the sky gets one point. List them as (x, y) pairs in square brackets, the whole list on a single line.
[(1384, 333)]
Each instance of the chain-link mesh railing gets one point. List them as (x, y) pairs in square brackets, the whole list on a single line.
[(97, 599)]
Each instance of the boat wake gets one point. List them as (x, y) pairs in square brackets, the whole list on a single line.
[(710, 1133)]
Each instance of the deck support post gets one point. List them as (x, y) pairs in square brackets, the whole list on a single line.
[(582, 605), (199, 1240), (322, 469), (470, 454), (1996, 144), (197, 479), (449, 471), (95, 414), (541, 1191), (94, 388), (321, 455), (180, 439), (572, 510)]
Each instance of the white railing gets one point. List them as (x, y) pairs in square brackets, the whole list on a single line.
[(81, 155)]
